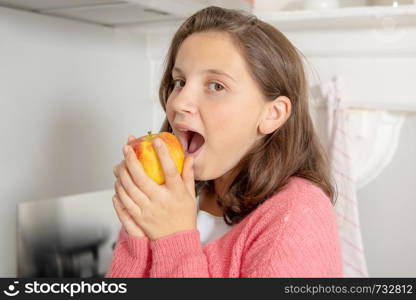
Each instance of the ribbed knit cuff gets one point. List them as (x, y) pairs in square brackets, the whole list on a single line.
[(176, 245), (139, 247)]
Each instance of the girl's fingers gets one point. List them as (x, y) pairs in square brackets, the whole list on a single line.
[(129, 224), (130, 139), (130, 187), (115, 170), (126, 200), (188, 175), (172, 176), (138, 175)]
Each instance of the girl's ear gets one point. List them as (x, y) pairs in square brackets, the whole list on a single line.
[(275, 114)]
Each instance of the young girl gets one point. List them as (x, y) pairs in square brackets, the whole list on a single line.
[(235, 94)]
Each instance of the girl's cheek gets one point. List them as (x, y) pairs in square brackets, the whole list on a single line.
[(169, 113), (227, 121), (222, 125)]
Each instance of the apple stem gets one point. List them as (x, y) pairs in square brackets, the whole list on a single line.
[(149, 133)]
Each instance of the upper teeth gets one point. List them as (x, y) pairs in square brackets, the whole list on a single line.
[(183, 129)]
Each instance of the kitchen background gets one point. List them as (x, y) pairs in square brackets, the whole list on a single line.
[(78, 76)]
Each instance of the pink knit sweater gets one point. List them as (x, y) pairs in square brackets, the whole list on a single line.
[(292, 234)]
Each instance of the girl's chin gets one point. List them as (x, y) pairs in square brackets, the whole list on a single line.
[(198, 175), (199, 169), (202, 176)]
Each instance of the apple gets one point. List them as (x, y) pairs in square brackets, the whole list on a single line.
[(147, 155)]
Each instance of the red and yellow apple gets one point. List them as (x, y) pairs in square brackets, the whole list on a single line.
[(149, 159)]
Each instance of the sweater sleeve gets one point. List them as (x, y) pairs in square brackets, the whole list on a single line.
[(302, 242), (131, 257), (179, 255)]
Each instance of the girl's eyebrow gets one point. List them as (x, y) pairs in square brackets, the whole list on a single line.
[(210, 71)]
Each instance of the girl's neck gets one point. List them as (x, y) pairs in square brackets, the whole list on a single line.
[(208, 201), (209, 204)]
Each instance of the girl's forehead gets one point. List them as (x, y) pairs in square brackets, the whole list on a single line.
[(209, 39), (209, 50)]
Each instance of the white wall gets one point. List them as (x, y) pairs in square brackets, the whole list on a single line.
[(70, 95)]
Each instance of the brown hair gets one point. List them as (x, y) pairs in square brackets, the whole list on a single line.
[(277, 67)]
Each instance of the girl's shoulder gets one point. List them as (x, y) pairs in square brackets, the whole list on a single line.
[(298, 197)]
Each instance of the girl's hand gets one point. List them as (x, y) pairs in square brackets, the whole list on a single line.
[(124, 216), (160, 210)]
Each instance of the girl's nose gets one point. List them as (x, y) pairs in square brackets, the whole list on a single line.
[(184, 101)]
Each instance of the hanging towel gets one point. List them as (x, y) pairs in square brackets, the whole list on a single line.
[(354, 262)]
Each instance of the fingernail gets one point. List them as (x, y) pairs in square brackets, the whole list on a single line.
[(157, 143), (125, 149)]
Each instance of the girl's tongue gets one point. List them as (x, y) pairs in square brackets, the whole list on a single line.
[(196, 142)]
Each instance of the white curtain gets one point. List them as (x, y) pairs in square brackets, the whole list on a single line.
[(354, 262)]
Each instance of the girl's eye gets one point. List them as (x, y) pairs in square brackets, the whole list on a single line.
[(178, 83), (215, 86)]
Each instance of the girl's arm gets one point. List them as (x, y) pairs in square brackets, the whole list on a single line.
[(179, 255), (131, 257)]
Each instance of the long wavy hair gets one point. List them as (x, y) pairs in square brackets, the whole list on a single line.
[(293, 149)]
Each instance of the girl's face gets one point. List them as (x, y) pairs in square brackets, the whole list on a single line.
[(214, 95)]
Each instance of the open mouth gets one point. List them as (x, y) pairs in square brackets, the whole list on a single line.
[(191, 141)]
